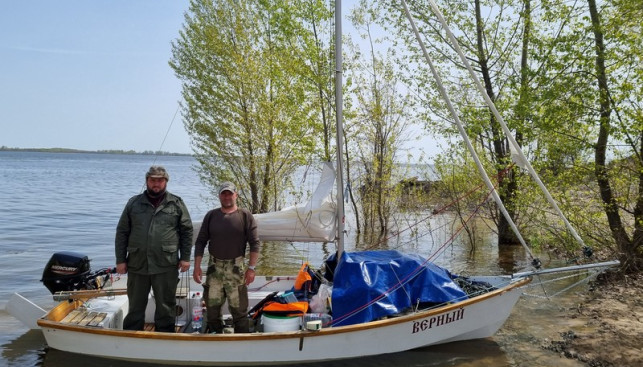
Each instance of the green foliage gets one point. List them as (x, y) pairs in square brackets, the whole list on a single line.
[(549, 97), (258, 102), (245, 71), (376, 126)]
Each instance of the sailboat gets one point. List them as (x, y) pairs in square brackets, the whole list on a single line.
[(381, 302), (89, 322)]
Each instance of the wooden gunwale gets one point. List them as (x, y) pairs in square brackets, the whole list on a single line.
[(48, 322), (93, 293)]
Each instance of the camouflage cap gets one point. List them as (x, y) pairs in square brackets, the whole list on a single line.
[(227, 186), (158, 172)]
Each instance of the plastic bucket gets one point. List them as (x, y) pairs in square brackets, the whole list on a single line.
[(280, 323)]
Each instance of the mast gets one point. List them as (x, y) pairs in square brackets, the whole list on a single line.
[(339, 100)]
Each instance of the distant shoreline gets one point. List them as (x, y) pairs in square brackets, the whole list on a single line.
[(67, 150)]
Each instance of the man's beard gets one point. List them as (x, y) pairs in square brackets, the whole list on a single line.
[(153, 194)]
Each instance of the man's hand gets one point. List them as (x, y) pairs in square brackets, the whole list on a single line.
[(184, 266), (121, 268), (196, 274), (250, 276)]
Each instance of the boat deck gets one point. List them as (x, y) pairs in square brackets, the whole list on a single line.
[(97, 319), (85, 318)]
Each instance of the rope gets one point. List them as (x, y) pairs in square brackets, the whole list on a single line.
[(401, 282), (454, 235), (433, 213), (274, 280), (520, 157), (410, 276), (307, 217)]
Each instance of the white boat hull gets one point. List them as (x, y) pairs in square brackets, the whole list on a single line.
[(478, 317)]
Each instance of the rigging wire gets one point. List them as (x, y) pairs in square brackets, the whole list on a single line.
[(535, 262), (167, 132), (516, 151), (541, 282)]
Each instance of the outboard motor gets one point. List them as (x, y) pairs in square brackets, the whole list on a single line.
[(66, 271)]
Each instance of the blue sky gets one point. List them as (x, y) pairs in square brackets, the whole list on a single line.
[(93, 75), (90, 75)]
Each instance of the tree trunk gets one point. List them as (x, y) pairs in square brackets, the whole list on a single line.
[(623, 242), (508, 185)]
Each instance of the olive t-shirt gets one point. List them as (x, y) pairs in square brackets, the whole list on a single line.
[(227, 234)]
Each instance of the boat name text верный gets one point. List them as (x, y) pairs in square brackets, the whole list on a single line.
[(438, 320)]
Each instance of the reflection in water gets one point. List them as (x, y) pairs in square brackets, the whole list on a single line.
[(26, 350), (482, 352), (56, 358), (511, 258)]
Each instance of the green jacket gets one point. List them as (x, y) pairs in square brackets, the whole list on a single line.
[(153, 240)]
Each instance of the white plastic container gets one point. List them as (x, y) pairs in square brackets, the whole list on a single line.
[(314, 325), (280, 323), (326, 319)]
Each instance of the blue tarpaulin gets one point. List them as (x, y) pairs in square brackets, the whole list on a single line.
[(368, 285)]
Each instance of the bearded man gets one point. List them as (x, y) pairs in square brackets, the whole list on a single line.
[(153, 242)]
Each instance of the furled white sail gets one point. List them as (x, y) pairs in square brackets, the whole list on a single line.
[(313, 221)]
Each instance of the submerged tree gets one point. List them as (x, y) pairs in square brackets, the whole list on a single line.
[(496, 43), (567, 78), (376, 128)]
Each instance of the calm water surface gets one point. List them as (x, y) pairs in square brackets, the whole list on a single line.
[(71, 202)]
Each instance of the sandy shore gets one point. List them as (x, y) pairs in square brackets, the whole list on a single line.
[(610, 324)]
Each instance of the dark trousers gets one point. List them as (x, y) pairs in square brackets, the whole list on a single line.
[(164, 287)]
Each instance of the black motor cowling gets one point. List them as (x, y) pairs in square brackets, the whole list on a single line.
[(66, 271)]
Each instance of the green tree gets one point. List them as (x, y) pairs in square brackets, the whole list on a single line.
[(496, 42), (246, 93), (629, 246), (377, 126), (590, 110), (318, 61), (573, 90)]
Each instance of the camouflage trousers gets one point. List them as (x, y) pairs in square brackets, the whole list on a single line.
[(225, 280)]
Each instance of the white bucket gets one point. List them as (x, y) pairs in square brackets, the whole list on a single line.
[(280, 323)]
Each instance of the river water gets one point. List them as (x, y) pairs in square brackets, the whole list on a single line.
[(72, 201)]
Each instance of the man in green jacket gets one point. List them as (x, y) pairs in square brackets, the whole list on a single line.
[(153, 242)]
